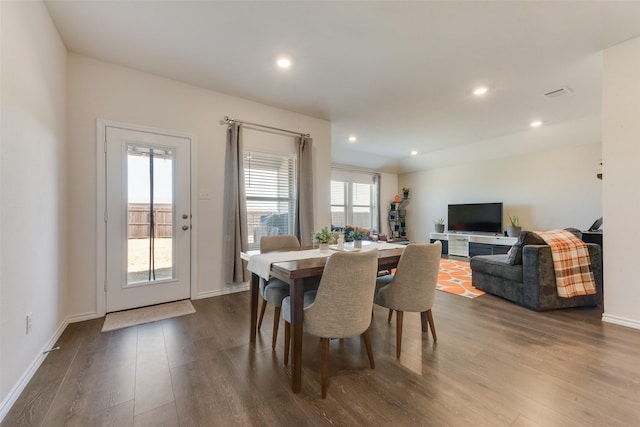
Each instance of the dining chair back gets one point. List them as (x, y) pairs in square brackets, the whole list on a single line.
[(286, 242), (343, 303), (412, 287), (275, 290)]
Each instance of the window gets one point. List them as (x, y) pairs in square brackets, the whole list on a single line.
[(354, 198), (270, 195)]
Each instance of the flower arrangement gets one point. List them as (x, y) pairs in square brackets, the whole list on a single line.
[(324, 236)]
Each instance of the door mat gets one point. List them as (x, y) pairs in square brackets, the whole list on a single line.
[(138, 316), (454, 277)]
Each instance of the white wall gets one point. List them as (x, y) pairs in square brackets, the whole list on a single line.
[(547, 190), (621, 198), (388, 190), (33, 198), (99, 90)]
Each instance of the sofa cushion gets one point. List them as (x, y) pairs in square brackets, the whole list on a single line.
[(525, 238), (497, 265), (575, 232)]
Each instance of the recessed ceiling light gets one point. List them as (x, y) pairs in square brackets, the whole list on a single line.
[(480, 90), (414, 153), (535, 124), (284, 62), (352, 139)]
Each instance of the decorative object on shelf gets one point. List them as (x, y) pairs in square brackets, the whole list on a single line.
[(439, 225), (393, 206), (357, 235), (514, 229), (396, 199), (340, 241), (323, 237), (405, 192)]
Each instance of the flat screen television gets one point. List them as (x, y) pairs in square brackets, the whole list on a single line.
[(476, 217)]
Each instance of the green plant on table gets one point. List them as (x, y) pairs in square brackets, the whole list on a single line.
[(323, 236), (514, 220), (357, 234)]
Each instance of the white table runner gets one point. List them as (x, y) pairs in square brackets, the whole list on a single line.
[(261, 264)]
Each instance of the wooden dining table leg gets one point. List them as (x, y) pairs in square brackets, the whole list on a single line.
[(297, 317), (255, 287)]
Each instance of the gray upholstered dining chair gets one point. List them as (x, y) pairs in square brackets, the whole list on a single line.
[(412, 288), (275, 290), (341, 307)]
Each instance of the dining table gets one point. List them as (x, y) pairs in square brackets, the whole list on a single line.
[(293, 269)]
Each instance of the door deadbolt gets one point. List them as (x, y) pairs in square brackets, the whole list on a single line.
[(185, 227)]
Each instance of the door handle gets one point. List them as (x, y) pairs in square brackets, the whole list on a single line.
[(185, 227)]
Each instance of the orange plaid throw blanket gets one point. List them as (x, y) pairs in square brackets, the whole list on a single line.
[(571, 263)]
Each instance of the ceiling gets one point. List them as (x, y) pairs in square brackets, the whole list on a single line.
[(398, 75)]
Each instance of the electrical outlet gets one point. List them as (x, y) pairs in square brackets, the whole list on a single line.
[(29, 322)]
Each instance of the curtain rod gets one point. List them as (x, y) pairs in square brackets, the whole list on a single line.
[(227, 120)]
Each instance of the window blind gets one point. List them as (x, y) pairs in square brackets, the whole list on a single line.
[(270, 195)]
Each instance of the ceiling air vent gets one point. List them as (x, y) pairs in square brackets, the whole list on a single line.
[(558, 92)]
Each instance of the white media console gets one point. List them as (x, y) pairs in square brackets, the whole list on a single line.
[(469, 245)]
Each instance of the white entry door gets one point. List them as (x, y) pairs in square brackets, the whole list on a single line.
[(148, 218)]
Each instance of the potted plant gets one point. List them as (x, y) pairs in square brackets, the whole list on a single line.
[(393, 206), (439, 225), (357, 235), (323, 237), (405, 192), (514, 229)]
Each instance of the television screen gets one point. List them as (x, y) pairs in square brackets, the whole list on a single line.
[(478, 217)]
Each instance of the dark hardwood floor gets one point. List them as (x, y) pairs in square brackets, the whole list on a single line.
[(495, 364)]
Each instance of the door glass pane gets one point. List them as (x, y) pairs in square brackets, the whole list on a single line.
[(150, 214)]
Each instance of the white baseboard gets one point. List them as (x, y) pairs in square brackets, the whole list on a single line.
[(228, 290), (82, 317), (19, 387), (7, 403), (631, 323)]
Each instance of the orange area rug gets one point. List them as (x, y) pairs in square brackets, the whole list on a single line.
[(454, 277)]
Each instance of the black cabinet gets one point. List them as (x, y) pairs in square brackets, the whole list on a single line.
[(445, 245), (592, 237), (487, 249)]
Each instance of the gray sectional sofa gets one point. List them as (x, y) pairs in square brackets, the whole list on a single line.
[(526, 275)]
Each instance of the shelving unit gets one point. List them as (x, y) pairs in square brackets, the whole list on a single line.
[(397, 219)]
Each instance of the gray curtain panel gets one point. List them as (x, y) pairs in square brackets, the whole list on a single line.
[(376, 219), (304, 218), (235, 218)]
